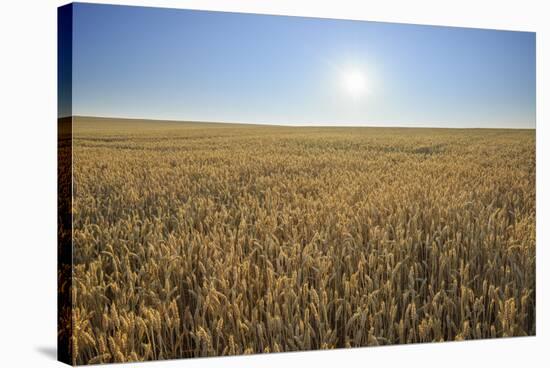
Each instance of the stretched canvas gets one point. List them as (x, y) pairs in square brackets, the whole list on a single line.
[(242, 184)]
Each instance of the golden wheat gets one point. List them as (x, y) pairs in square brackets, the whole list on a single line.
[(204, 239)]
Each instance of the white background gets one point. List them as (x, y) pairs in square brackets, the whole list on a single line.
[(28, 111)]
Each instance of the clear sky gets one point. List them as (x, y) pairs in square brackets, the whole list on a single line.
[(215, 66)]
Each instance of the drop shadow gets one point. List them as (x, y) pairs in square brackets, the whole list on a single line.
[(48, 351)]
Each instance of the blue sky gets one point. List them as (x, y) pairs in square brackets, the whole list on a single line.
[(214, 66)]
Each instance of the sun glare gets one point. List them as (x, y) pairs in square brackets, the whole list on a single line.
[(355, 83)]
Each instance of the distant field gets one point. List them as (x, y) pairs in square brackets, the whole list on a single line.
[(194, 239)]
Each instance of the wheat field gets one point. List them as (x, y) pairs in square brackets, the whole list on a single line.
[(196, 239)]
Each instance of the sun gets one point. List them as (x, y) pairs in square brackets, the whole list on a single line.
[(354, 82)]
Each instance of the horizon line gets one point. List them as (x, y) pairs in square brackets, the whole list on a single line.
[(305, 125)]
